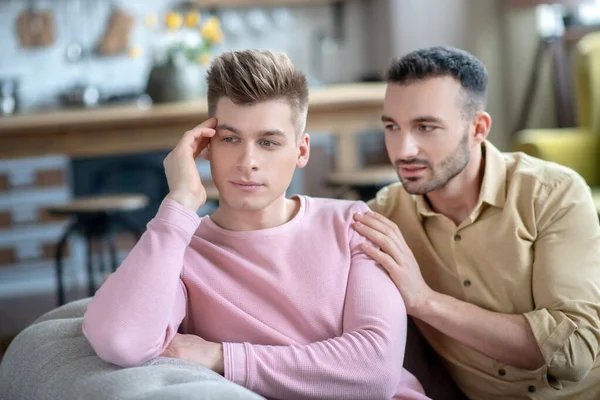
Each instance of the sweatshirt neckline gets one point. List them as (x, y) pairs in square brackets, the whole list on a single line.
[(276, 230)]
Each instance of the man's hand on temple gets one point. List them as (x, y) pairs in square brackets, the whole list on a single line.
[(185, 186), (197, 350)]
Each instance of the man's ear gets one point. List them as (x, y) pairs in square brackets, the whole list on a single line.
[(205, 153), (482, 124), (303, 151)]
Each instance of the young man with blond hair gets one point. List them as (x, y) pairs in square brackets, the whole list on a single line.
[(274, 293)]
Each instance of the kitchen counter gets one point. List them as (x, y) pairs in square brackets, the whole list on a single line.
[(342, 110)]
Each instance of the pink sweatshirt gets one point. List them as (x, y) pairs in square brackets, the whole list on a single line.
[(301, 311)]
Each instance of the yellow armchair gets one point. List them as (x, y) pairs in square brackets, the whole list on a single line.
[(577, 148)]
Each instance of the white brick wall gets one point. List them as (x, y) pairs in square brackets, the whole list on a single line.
[(39, 86)]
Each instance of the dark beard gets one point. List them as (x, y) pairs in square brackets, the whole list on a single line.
[(443, 173)]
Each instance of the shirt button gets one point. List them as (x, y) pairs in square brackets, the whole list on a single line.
[(467, 283), (457, 238), (531, 389), (501, 372)]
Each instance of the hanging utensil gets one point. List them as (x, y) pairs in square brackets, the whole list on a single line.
[(35, 28), (115, 38)]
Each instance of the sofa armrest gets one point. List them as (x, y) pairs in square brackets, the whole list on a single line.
[(576, 148)]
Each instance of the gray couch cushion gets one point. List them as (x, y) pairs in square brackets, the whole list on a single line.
[(51, 359)]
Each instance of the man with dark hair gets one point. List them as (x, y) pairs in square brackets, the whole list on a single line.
[(497, 255), (444, 61)]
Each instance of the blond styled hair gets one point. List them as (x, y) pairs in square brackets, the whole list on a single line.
[(254, 76)]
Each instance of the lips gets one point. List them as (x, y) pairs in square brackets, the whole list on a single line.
[(411, 170), (247, 185)]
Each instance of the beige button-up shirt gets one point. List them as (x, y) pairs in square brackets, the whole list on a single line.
[(531, 246)]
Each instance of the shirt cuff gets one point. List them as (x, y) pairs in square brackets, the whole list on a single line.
[(235, 365), (176, 214), (551, 331)]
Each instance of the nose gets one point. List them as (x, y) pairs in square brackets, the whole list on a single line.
[(402, 146), (248, 160)]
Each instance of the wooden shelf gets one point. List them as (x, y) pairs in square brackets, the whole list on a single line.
[(323, 98), (256, 3), (341, 110)]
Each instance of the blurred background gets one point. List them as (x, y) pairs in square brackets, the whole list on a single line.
[(94, 93)]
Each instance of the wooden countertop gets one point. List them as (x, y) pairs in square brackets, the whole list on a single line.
[(254, 3), (321, 98), (341, 110)]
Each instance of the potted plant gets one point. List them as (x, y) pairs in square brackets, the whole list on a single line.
[(184, 52)]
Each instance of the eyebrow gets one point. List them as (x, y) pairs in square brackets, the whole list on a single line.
[(268, 132), (272, 132), (425, 118), (385, 118), (227, 128)]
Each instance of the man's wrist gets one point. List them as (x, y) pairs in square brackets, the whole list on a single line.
[(186, 200), (426, 308), (220, 364)]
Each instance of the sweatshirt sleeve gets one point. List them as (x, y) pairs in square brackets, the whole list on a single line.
[(364, 362), (137, 311)]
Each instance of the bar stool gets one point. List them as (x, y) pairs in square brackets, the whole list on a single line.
[(121, 197), (97, 218), (362, 184)]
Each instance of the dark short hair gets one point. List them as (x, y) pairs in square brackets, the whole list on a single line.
[(442, 61)]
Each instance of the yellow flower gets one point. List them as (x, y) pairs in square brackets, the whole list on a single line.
[(135, 51), (151, 20), (204, 59), (211, 31), (218, 36), (192, 18), (213, 21), (174, 21), (207, 31)]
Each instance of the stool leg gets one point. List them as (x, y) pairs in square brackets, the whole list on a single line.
[(125, 223), (101, 247), (60, 248), (113, 251), (90, 268)]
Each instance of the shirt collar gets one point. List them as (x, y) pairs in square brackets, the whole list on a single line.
[(493, 187)]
